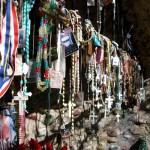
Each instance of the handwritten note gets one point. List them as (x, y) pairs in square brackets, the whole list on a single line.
[(56, 79)]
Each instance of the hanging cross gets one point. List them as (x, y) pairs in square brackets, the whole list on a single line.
[(97, 94), (109, 102), (117, 117), (12, 104), (93, 117), (126, 102), (22, 100), (98, 105), (70, 107)]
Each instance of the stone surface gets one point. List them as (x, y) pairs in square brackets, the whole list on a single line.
[(113, 132), (112, 140), (102, 145), (114, 147), (137, 130)]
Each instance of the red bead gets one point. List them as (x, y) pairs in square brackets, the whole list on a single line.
[(37, 69), (44, 45), (45, 21), (40, 39)]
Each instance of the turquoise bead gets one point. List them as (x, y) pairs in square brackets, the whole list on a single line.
[(25, 81), (25, 107), (21, 82)]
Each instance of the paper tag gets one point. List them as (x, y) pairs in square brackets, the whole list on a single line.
[(32, 68), (56, 79), (115, 61)]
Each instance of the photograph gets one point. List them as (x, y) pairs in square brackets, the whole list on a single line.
[(22, 38)]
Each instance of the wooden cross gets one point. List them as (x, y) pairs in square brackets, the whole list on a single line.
[(93, 117), (117, 117)]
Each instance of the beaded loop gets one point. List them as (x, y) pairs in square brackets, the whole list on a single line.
[(42, 54)]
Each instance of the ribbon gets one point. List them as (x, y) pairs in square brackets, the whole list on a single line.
[(9, 46)]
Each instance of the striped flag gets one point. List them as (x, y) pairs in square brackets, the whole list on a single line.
[(8, 46)]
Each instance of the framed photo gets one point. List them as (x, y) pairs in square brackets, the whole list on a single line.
[(22, 38), (90, 2)]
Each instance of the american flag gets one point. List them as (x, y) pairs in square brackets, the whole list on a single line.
[(8, 46)]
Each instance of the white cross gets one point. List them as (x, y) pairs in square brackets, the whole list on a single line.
[(117, 117), (109, 102), (22, 100), (70, 106), (93, 117), (98, 105)]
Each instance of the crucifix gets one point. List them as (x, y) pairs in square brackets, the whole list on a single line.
[(22, 100), (109, 102), (22, 106)]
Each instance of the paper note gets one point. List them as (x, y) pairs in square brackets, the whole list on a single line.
[(56, 79)]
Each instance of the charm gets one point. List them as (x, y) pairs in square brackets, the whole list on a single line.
[(117, 117)]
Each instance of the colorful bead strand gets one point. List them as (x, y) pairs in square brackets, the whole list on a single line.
[(42, 54)]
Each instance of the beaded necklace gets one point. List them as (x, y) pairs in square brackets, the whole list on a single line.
[(42, 54), (27, 6)]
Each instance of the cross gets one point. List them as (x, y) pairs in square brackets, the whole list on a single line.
[(98, 105), (126, 102), (22, 100), (12, 103), (109, 102), (97, 93), (117, 117), (93, 117)]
